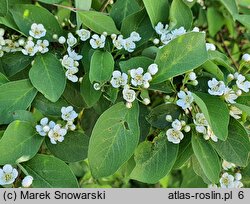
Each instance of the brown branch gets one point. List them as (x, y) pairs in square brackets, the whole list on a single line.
[(228, 51), (105, 4)]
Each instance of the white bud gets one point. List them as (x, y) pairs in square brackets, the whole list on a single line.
[(113, 36), (30, 38), (238, 176), (97, 86), (129, 105), (194, 83), (80, 79), (32, 63), (55, 36), (169, 118), (238, 92), (153, 69), (62, 40), (156, 41), (146, 101), (183, 123), (187, 128), (246, 57), (105, 34), (46, 128), (230, 77), (63, 24), (21, 42), (27, 181), (2, 31), (167, 97), (192, 76)]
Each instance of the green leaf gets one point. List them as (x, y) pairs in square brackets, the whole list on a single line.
[(191, 180), (114, 139), (16, 95), (101, 67), (3, 79), (25, 15), (180, 15), (237, 146), (207, 157), (23, 140), (9, 22), (157, 116), (215, 21), (24, 115), (212, 68), (158, 12), (89, 94), (15, 62), (3, 7), (47, 107), (134, 62), (244, 20), (181, 55), (51, 1), (142, 26), (231, 6), (98, 22), (50, 172), (121, 9), (48, 67), (185, 151), (74, 147), (83, 5), (218, 120), (243, 103), (154, 160)]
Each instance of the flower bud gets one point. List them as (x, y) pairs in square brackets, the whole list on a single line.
[(21, 42), (156, 41), (129, 105), (113, 36), (187, 128), (230, 77), (105, 34), (27, 181), (62, 40), (55, 36), (238, 176), (238, 92), (194, 83), (246, 57), (97, 86), (146, 101), (192, 76), (169, 118), (183, 123)]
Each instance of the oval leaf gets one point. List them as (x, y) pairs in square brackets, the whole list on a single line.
[(218, 120), (50, 172), (114, 139), (48, 67), (101, 67), (207, 157), (22, 139), (154, 160), (181, 55)]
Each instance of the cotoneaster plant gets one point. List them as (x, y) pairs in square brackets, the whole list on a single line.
[(124, 93)]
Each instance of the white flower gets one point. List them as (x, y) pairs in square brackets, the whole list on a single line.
[(238, 184), (45, 126), (97, 42), (153, 69), (42, 46), (178, 32), (212, 186), (166, 38), (235, 112), (190, 1), (200, 122), (138, 78), (62, 40), (68, 62), (196, 29), (83, 34), (128, 94), (210, 135), (134, 36), (129, 45), (192, 76), (57, 134), (11, 46), (68, 113), (73, 54), (70, 74), (176, 124), (227, 165), (174, 136), (118, 43), (160, 29), (7, 175), (227, 181), (246, 57), (216, 88), (27, 181), (71, 41), (238, 176), (185, 99), (30, 49), (118, 79), (229, 95), (242, 84), (210, 46), (70, 125), (37, 31)]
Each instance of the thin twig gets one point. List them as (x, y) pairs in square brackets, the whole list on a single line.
[(228, 51), (105, 4), (68, 7)]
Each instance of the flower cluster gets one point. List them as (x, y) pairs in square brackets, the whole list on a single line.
[(175, 134), (201, 126), (138, 79), (127, 44), (55, 131)]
